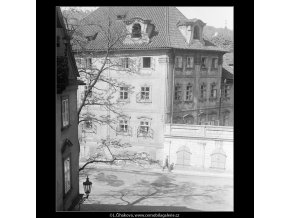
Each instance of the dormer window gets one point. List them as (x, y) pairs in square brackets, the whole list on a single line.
[(136, 31), (196, 32)]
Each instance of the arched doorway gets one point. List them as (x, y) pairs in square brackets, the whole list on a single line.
[(218, 159), (183, 156)]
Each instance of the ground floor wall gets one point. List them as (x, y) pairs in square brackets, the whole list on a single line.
[(189, 153)]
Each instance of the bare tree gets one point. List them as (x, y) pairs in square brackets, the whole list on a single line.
[(97, 73)]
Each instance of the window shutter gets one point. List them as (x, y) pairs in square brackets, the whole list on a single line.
[(152, 63)]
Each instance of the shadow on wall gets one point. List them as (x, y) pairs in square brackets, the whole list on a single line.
[(133, 208)]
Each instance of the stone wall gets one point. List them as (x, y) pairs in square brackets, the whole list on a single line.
[(197, 145)]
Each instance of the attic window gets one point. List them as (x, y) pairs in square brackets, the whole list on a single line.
[(196, 32), (120, 17), (136, 31)]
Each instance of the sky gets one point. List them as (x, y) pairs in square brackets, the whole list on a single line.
[(212, 16)]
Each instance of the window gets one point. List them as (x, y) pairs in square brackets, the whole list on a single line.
[(88, 124), (67, 179), (136, 30), (178, 93), (123, 125), (196, 32), (189, 92), (226, 119), (227, 91), (145, 93), (203, 91), (65, 112), (87, 90), (212, 119), (146, 62), (202, 119), (125, 62), (189, 62), (89, 62), (213, 91), (214, 63), (203, 62), (144, 127), (81, 62), (57, 41), (123, 93), (178, 62)]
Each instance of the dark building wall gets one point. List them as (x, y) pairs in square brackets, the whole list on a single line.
[(62, 151), (67, 143), (196, 76)]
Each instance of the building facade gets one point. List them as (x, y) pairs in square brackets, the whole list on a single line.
[(67, 145), (176, 79)]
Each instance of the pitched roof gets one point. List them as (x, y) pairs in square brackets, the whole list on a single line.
[(165, 19), (60, 24)]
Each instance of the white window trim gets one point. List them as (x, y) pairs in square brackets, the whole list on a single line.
[(123, 91)]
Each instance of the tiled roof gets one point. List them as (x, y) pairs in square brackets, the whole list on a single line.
[(165, 20)]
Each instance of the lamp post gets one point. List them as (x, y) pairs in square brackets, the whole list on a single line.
[(87, 189)]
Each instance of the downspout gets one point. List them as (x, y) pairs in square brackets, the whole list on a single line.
[(173, 89)]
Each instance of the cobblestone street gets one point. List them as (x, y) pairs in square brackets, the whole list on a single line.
[(124, 189)]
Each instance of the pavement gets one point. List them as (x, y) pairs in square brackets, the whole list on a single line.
[(194, 172), (135, 189)]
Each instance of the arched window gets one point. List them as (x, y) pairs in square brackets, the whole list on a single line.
[(136, 30), (196, 32)]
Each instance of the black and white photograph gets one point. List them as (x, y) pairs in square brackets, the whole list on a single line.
[(144, 109)]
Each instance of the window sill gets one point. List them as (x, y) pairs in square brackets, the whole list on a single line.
[(202, 99), (123, 133), (65, 127), (123, 100), (213, 99), (144, 101), (188, 101)]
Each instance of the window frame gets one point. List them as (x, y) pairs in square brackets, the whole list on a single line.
[(213, 89), (66, 193), (90, 95), (191, 62), (203, 91), (125, 124), (134, 35), (65, 113), (205, 64), (145, 92), (125, 62), (150, 64), (123, 92), (214, 65), (178, 92), (178, 62), (189, 91)]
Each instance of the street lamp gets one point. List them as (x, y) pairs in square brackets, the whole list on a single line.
[(87, 189)]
